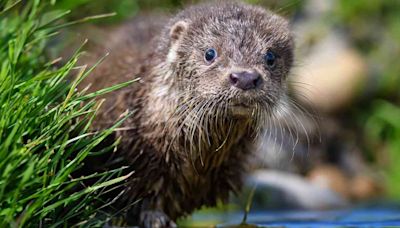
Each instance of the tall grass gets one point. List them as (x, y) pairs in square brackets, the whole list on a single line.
[(44, 126)]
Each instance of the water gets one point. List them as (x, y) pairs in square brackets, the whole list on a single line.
[(365, 216), (360, 217)]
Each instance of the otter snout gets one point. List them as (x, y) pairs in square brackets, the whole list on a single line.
[(246, 80)]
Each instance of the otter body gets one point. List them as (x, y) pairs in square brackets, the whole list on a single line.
[(210, 79)]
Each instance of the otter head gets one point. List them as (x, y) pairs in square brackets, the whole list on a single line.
[(226, 60), (237, 54)]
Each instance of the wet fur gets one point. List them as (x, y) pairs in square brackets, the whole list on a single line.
[(182, 142)]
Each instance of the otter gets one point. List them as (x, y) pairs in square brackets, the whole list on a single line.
[(210, 79)]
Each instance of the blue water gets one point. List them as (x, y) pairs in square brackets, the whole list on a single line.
[(365, 216), (358, 217)]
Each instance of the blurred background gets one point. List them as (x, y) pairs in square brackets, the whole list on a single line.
[(341, 146)]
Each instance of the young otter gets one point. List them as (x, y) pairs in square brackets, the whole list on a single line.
[(209, 82)]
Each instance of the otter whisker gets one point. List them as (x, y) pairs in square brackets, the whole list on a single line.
[(181, 119), (202, 132), (298, 122), (285, 114), (304, 112)]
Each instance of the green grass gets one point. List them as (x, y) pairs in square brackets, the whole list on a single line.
[(45, 126), (45, 122)]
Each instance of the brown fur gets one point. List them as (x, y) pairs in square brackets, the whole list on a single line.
[(185, 144)]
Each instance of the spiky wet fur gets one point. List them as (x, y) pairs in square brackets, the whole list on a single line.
[(183, 144)]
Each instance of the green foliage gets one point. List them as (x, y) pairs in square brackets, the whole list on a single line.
[(383, 133), (122, 8), (374, 26), (282, 7), (128, 8), (44, 126)]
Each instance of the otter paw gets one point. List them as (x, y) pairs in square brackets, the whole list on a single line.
[(155, 219)]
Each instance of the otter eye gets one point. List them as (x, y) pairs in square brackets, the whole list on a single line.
[(210, 54), (270, 59)]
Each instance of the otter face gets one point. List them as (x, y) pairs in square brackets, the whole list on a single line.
[(234, 54)]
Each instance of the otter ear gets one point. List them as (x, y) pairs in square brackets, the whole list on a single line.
[(177, 30)]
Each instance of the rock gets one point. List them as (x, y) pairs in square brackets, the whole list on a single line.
[(356, 188), (331, 75), (328, 176), (288, 190), (364, 188)]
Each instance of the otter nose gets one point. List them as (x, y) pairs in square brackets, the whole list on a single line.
[(246, 79)]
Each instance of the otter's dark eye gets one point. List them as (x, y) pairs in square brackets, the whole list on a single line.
[(270, 59), (210, 55)]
